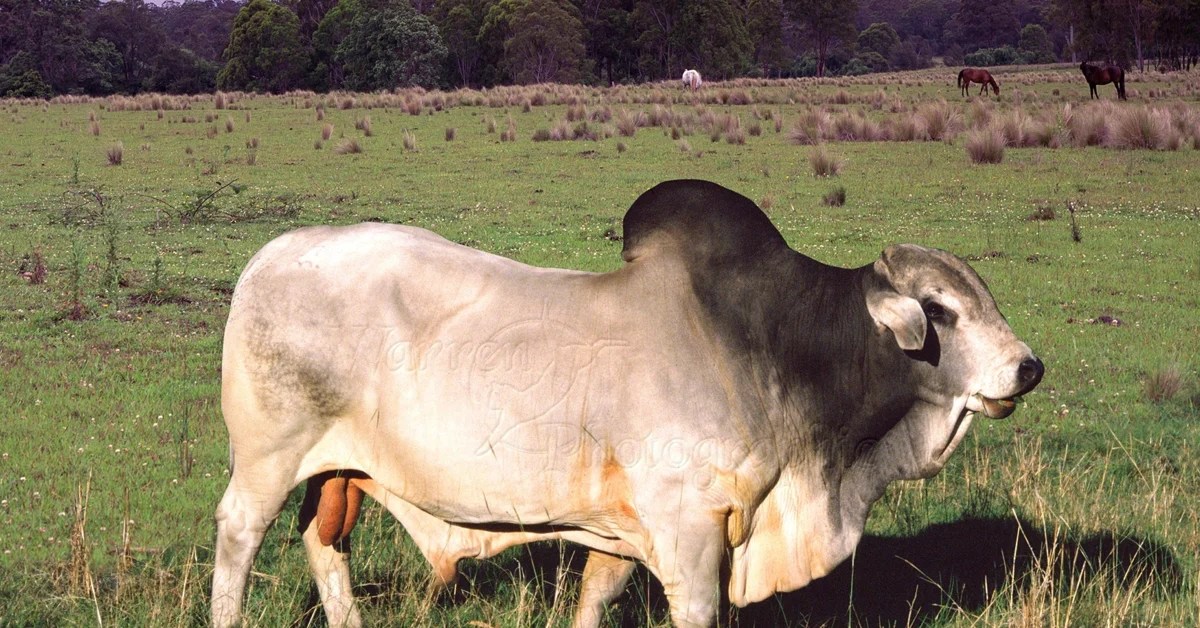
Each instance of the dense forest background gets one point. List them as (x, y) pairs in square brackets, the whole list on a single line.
[(50, 47)]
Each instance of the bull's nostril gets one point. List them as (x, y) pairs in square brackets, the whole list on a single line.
[(1030, 372)]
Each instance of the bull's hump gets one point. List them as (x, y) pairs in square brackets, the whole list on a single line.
[(701, 221)]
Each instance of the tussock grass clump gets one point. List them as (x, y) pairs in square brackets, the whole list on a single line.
[(410, 141), (1163, 385), (348, 146), (627, 123), (94, 127), (835, 197), (824, 163), (220, 100), (985, 146), (326, 131), (1143, 128), (812, 127), (1089, 125), (942, 122), (115, 154), (229, 127), (451, 133), (1018, 129), (363, 124)]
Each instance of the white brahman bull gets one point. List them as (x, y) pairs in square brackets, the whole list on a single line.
[(691, 79), (721, 408)]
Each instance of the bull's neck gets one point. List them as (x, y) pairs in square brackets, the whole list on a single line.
[(801, 332)]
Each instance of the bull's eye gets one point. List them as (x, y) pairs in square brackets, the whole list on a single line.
[(935, 312)]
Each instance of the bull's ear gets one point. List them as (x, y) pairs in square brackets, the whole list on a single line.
[(900, 314)]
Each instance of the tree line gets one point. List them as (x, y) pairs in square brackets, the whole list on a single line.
[(50, 47)]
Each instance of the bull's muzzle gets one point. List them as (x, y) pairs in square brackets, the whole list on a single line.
[(1029, 375)]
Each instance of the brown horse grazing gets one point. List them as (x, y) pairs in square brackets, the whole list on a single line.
[(977, 75), (1102, 74)]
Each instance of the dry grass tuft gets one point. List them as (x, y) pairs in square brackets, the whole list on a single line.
[(1144, 128), (835, 197), (410, 141), (348, 146), (363, 124), (115, 154), (451, 133), (824, 163), (985, 146), (812, 127), (1163, 384)]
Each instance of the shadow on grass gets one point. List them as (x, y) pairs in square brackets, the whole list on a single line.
[(891, 581)]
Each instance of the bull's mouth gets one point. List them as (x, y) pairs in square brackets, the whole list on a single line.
[(996, 408)]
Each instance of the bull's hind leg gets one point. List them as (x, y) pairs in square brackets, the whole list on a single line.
[(604, 578), (251, 503), (330, 509)]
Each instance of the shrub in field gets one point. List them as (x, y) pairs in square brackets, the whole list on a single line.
[(627, 123), (1018, 128), (1163, 384), (1089, 125), (835, 197), (348, 146), (985, 146), (451, 133), (813, 126), (115, 154), (942, 122), (1145, 128), (824, 164), (909, 128)]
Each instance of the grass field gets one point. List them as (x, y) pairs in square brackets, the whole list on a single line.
[(124, 223)]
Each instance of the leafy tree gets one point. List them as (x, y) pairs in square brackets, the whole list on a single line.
[(984, 24), (19, 78), (1178, 36), (131, 28), (546, 43), (712, 36), (264, 51), (181, 71), (656, 21), (1035, 45), (391, 46), (764, 25), (826, 24), (609, 37), (459, 22), (878, 38), (201, 26), (927, 19)]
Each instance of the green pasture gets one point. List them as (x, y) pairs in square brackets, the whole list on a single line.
[(1082, 509)]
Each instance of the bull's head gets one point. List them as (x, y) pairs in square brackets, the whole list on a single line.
[(942, 314)]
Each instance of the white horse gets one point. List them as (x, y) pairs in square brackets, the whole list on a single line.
[(691, 78)]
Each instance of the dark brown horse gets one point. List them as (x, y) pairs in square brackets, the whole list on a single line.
[(1102, 74), (977, 75)]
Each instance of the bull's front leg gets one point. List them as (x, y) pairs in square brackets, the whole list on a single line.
[(687, 559), (604, 578)]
